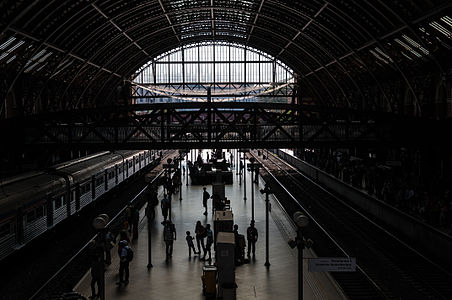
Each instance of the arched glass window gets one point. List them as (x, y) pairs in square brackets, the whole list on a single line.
[(233, 72)]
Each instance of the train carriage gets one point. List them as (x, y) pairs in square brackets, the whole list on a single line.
[(32, 203)]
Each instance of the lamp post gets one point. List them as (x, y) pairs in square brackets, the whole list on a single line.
[(100, 223), (301, 221), (244, 172), (266, 191), (237, 165), (186, 166), (149, 210), (168, 166), (180, 172), (253, 165)]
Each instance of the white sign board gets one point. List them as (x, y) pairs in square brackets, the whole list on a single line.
[(332, 264)]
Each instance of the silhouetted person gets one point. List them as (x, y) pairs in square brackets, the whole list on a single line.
[(251, 236), (205, 197), (201, 234)]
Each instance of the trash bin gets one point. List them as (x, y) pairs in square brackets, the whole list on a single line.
[(209, 280)]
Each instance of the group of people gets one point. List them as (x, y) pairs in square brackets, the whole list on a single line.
[(99, 253), (99, 250)]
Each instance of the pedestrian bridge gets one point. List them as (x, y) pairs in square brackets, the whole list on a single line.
[(207, 125)]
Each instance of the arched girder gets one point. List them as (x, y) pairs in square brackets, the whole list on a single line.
[(129, 15), (136, 66), (126, 62)]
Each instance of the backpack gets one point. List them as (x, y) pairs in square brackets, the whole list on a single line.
[(129, 254), (251, 234), (168, 233)]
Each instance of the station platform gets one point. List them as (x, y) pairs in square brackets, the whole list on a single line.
[(180, 277)]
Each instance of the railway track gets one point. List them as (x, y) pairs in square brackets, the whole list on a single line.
[(388, 268)]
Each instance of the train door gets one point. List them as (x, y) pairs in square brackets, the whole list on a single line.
[(93, 187), (116, 174), (127, 168), (73, 200), (20, 226), (49, 208), (77, 197), (106, 178)]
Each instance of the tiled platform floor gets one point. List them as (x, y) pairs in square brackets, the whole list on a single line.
[(180, 277)]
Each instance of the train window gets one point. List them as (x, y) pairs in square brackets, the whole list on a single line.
[(57, 203), (99, 180), (130, 164), (5, 229), (85, 188), (31, 216), (40, 212), (119, 170), (111, 175)]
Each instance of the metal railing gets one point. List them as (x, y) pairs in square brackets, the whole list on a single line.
[(63, 279)]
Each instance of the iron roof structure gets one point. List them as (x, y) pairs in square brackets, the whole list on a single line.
[(392, 56)]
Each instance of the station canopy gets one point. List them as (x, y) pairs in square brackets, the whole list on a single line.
[(346, 53)]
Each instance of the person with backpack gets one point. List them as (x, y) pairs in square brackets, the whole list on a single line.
[(251, 236), (164, 205), (169, 236), (201, 234), (205, 197), (125, 258)]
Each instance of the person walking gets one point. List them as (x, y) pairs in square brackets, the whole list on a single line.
[(164, 205), (209, 243), (205, 197), (190, 244), (169, 236), (201, 234), (124, 261), (251, 236)]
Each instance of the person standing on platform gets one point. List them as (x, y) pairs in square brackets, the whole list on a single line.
[(201, 234), (135, 221), (190, 244), (209, 243), (205, 197), (109, 244), (124, 261), (169, 236), (128, 216), (96, 256), (123, 236), (165, 203), (251, 236)]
